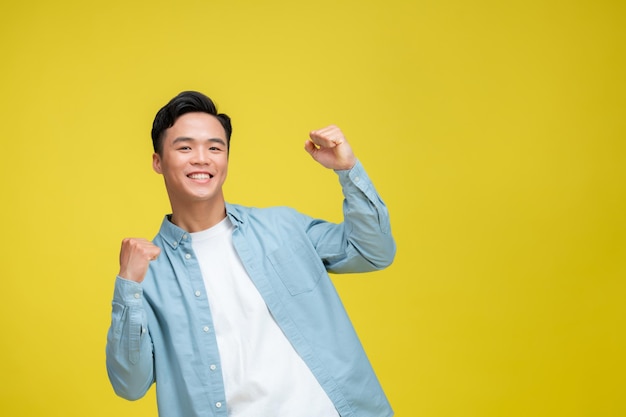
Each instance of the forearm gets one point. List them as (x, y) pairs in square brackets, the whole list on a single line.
[(363, 241), (366, 218), (129, 357)]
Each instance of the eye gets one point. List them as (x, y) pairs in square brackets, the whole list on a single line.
[(215, 148), (184, 148)]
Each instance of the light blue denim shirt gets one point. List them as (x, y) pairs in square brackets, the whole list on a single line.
[(162, 329)]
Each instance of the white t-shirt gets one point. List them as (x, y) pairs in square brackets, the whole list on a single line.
[(263, 374)]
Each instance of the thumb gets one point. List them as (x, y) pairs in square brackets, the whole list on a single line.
[(310, 147)]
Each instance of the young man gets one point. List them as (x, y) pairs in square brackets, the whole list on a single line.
[(230, 310)]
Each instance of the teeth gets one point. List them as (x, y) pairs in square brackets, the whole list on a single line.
[(199, 176)]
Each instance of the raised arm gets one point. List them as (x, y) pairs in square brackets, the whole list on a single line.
[(129, 357), (363, 241)]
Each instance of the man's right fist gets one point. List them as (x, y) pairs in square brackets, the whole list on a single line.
[(135, 256)]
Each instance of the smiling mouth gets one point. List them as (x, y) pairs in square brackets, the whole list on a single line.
[(200, 176)]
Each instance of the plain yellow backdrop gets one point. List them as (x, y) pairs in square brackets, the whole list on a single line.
[(495, 132)]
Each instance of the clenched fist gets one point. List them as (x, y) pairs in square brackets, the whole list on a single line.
[(135, 256), (329, 147)]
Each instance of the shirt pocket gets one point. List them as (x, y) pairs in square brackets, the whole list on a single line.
[(298, 267)]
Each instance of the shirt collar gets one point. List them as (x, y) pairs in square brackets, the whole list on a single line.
[(174, 235), (235, 214)]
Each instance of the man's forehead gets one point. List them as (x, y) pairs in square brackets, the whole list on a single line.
[(198, 125)]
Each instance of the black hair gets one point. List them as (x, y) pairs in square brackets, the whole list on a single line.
[(185, 102)]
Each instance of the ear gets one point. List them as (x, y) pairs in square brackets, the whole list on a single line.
[(156, 163)]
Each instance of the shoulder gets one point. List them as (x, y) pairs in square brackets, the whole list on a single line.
[(266, 216), (248, 211)]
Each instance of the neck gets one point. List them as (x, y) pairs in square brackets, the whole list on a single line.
[(197, 217)]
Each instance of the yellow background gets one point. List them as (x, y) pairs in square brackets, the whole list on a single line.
[(494, 130)]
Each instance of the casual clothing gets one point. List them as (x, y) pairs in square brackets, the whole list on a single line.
[(263, 374), (163, 329)]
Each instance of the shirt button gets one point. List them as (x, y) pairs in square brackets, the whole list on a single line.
[(205, 328), (357, 179), (174, 244), (187, 256), (197, 293), (184, 237), (218, 404), (213, 367), (137, 295)]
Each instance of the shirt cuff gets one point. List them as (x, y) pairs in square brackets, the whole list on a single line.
[(127, 292), (354, 177)]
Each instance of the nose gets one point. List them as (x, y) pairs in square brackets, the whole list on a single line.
[(201, 156)]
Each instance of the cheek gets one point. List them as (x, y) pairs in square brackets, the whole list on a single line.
[(223, 165), (168, 173)]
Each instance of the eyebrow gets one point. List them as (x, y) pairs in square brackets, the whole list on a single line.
[(184, 139)]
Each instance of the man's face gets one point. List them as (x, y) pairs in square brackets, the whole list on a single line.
[(193, 160)]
